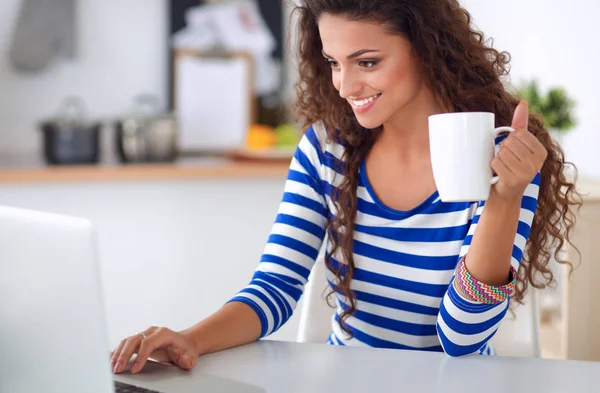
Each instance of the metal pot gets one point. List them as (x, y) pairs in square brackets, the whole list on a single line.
[(70, 138), (147, 135)]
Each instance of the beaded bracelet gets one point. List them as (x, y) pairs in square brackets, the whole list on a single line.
[(480, 292)]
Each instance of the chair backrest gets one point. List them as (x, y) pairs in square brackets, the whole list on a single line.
[(315, 313), (518, 334)]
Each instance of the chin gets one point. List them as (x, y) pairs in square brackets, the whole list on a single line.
[(368, 122)]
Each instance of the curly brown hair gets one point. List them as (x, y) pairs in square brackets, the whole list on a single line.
[(461, 69)]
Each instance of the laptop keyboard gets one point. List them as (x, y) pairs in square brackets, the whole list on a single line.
[(121, 387)]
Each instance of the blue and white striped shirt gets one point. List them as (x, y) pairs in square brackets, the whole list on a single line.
[(405, 261)]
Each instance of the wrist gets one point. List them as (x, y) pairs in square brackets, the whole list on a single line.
[(192, 335), (468, 286), (504, 203)]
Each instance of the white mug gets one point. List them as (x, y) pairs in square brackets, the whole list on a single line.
[(462, 146)]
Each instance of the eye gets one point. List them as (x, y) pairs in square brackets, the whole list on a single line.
[(367, 63), (332, 63)]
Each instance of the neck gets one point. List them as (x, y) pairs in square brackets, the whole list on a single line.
[(407, 132)]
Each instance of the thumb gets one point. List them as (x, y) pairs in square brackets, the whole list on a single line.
[(186, 362), (521, 116)]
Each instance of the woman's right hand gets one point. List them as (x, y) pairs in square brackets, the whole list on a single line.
[(161, 344)]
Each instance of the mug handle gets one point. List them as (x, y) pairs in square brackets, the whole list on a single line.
[(497, 132)]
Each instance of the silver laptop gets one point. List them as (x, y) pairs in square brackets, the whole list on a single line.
[(53, 333), (51, 314)]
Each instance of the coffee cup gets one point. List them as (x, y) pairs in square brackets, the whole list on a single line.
[(462, 146)]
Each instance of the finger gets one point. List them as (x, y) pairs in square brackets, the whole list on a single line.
[(521, 116), (150, 330), (531, 142), (501, 169), (117, 352), (512, 163), (131, 347), (183, 359), (517, 147), (161, 338), (174, 353), (187, 360)]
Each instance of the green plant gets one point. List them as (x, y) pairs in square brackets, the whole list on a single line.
[(556, 107)]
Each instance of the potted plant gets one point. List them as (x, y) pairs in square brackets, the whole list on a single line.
[(555, 106)]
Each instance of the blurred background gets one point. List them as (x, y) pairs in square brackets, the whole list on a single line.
[(167, 123)]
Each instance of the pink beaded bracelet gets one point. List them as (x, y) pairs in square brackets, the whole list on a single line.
[(480, 292)]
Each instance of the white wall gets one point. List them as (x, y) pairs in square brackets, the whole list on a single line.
[(121, 52), (556, 42)]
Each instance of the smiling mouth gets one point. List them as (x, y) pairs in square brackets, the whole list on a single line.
[(365, 104)]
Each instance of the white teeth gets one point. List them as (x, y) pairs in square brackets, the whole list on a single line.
[(365, 101)]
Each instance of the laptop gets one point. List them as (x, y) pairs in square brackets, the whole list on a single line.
[(53, 333), (52, 321)]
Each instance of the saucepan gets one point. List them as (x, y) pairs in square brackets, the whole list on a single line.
[(147, 135), (69, 137)]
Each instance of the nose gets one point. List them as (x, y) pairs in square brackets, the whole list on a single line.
[(349, 85)]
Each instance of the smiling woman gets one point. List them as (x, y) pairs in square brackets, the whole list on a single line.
[(371, 73), (407, 270)]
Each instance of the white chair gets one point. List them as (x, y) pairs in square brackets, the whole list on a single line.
[(518, 334), (315, 313)]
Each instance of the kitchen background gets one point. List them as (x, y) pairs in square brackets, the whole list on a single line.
[(174, 244)]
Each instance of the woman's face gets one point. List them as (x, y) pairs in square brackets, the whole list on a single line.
[(373, 70)]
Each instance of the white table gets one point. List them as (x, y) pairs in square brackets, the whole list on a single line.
[(287, 367)]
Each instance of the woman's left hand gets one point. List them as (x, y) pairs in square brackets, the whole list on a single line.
[(520, 158)]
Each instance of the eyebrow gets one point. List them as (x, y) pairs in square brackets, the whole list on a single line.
[(355, 54)]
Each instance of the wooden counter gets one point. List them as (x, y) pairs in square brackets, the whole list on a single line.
[(204, 168), (25, 169)]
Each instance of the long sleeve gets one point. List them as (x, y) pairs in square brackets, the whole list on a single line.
[(464, 326), (295, 240)]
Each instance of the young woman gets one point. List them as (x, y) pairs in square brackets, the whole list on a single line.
[(407, 270)]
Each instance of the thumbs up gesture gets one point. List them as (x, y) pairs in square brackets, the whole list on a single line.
[(520, 158)]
